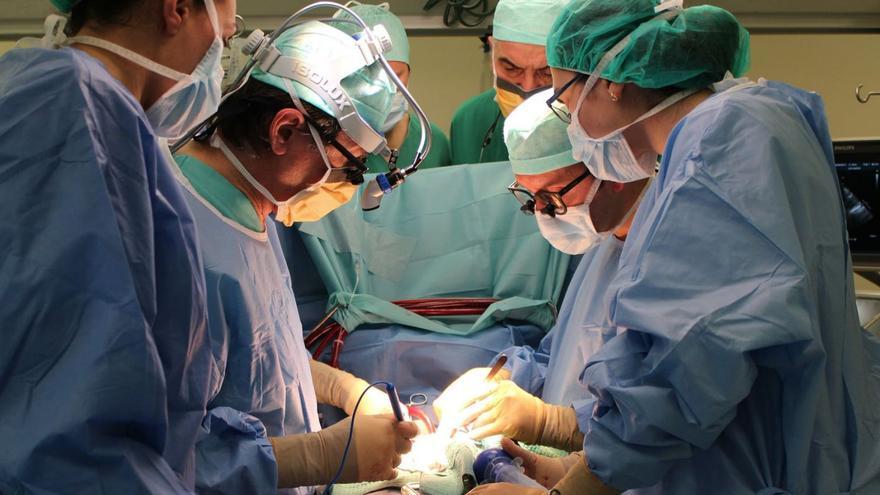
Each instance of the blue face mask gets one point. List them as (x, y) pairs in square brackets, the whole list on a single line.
[(194, 97), (399, 108)]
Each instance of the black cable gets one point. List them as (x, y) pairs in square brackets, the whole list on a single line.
[(469, 13)]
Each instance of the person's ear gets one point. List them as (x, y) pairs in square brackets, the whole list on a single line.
[(283, 129), (174, 12), (615, 91)]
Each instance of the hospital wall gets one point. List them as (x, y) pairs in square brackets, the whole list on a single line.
[(448, 70)]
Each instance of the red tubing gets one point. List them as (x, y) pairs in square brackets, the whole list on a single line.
[(333, 333)]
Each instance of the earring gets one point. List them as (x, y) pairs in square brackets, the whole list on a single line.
[(614, 97)]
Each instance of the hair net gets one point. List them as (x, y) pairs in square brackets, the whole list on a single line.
[(315, 44), (525, 21), (692, 50), (536, 139), (374, 15), (64, 6)]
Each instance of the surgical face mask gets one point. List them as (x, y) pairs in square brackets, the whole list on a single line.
[(307, 205), (576, 234), (573, 232), (509, 95), (399, 107), (194, 97), (610, 157), (315, 204)]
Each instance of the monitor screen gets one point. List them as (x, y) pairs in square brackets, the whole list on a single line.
[(858, 170)]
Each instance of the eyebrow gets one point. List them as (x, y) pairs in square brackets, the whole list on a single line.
[(508, 61)]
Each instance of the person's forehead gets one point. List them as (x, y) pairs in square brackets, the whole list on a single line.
[(521, 54)]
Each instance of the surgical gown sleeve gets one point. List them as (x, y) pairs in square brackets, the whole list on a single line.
[(528, 366), (708, 287), (104, 364), (233, 452), (234, 455)]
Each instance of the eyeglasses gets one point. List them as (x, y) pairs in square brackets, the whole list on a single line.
[(558, 108), (354, 169), (553, 203)]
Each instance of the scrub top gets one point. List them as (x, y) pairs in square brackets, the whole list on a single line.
[(437, 157), (477, 121), (263, 386)]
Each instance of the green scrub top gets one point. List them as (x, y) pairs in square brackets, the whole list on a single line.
[(219, 192), (470, 126), (437, 157)]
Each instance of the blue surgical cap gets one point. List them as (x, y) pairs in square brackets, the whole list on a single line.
[(536, 139), (525, 21)]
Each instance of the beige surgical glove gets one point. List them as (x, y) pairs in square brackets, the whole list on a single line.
[(580, 480), (545, 470), (342, 389), (509, 410), (463, 391), (312, 458)]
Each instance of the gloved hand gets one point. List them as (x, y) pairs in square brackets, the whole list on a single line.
[(579, 479), (508, 410), (313, 458), (547, 471), (342, 389), (463, 391)]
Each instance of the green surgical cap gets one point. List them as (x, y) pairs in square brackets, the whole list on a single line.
[(314, 44), (64, 6), (525, 21), (374, 15), (536, 138), (692, 50)]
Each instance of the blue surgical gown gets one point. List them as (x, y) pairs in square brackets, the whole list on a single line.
[(264, 386), (551, 372), (104, 362), (742, 368)]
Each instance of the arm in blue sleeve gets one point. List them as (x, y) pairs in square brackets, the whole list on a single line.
[(527, 366), (233, 451), (84, 402), (234, 455), (700, 289)]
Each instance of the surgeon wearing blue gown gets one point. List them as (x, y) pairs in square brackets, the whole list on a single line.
[(739, 365), (277, 147), (105, 363), (572, 211)]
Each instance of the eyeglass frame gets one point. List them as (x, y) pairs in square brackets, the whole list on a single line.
[(563, 114), (354, 171), (552, 199)]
